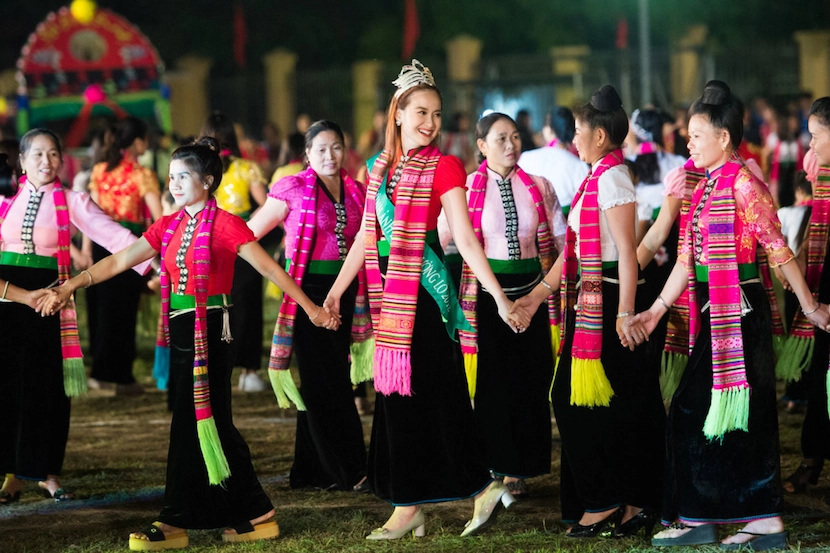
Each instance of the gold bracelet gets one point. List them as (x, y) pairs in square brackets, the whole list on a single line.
[(314, 319), (89, 275), (5, 289)]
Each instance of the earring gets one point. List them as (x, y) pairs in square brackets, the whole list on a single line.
[(207, 187), (398, 122), (599, 144)]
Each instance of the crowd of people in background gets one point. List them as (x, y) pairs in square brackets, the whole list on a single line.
[(615, 265)]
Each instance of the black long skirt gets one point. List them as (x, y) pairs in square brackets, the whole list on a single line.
[(113, 325), (329, 451), (611, 455), (426, 448), (816, 430), (189, 500), (512, 387), (737, 479), (246, 316), (34, 411)]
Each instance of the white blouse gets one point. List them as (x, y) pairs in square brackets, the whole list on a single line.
[(613, 189)]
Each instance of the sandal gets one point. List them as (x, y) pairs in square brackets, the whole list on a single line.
[(803, 475), (7, 498), (517, 487), (153, 539), (249, 532), (61, 494), (759, 542)]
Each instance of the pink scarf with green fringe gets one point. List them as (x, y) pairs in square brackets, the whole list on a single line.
[(469, 283), (798, 351), (209, 442), (74, 375), (729, 408), (282, 343), (393, 305), (589, 385)]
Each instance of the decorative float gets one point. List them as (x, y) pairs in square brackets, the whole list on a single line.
[(84, 62)]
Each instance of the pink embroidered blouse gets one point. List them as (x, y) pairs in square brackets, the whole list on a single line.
[(756, 221), (290, 190), (84, 215)]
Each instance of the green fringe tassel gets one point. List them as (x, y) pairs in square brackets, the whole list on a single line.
[(589, 385), (794, 358), (728, 411), (215, 461), (74, 377), (471, 370), (779, 344), (362, 354), (672, 366), (285, 389)]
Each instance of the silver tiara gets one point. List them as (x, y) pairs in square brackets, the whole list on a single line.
[(412, 75), (640, 132)]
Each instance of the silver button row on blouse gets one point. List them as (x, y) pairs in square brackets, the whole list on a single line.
[(339, 228), (511, 219), (187, 238), (27, 231)]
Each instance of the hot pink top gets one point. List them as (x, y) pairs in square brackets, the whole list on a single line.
[(290, 190), (84, 215), (756, 221)]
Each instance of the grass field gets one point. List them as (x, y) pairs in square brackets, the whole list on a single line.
[(116, 458)]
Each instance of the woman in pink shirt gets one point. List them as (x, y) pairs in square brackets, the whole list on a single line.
[(35, 411)]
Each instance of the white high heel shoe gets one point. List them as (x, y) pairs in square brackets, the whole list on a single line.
[(488, 507), (416, 526)]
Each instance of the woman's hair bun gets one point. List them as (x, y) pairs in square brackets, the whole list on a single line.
[(716, 93), (208, 141), (606, 99)]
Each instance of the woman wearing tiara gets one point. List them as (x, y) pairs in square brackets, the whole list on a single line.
[(424, 447), (722, 464), (606, 398), (210, 478)]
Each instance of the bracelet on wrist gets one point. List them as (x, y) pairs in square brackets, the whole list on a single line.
[(546, 285), (624, 314), (314, 319), (812, 310), (663, 302), (89, 276)]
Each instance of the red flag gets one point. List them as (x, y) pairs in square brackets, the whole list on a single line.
[(622, 34), (240, 35), (411, 29)]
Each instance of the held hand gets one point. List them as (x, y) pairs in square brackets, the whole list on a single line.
[(648, 319), (518, 322), (821, 317), (55, 301), (631, 333), (332, 305), (37, 298), (521, 313)]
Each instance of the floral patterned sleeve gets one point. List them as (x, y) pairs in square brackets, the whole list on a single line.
[(758, 215)]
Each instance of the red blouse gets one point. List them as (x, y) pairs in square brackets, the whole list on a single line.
[(229, 234), (449, 174)]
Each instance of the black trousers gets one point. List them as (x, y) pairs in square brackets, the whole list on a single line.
[(246, 316)]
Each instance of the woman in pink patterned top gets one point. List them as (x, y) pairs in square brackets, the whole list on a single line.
[(329, 451)]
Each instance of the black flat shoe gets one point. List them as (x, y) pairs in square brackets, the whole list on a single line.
[(7, 498), (631, 527), (61, 494), (604, 528), (803, 475)]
